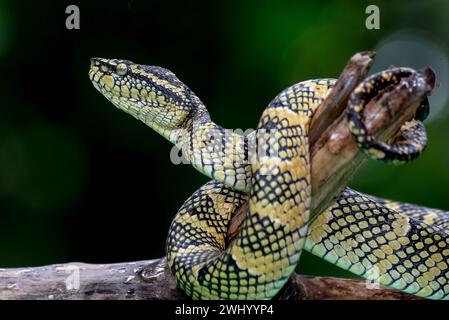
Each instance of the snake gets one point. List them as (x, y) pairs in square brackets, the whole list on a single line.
[(400, 245)]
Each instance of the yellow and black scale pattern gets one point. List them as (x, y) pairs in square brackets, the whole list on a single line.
[(400, 245)]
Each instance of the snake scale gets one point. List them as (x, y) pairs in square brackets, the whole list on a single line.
[(401, 245)]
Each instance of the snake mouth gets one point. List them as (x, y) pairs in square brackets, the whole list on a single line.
[(91, 75), (100, 67), (94, 69)]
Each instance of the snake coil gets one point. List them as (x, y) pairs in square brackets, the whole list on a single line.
[(400, 245)]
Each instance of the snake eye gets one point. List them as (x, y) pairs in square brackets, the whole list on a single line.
[(122, 69)]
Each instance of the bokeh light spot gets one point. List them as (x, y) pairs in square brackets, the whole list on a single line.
[(417, 50)]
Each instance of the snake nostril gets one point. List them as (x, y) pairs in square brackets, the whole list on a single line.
[(94, 62)]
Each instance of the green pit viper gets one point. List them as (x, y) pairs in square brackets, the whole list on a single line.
[(401, 245)]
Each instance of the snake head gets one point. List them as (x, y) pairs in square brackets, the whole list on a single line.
[(149, 93)]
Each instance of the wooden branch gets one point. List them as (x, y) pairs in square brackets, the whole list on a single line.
[(334, 158), (152, 280)]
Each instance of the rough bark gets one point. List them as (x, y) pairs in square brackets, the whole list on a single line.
[(334, 158), (152, 280)]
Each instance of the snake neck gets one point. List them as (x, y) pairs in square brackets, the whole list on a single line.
[(218, 153)]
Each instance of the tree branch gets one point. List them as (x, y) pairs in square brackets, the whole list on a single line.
[(152, 280), (334, 158)]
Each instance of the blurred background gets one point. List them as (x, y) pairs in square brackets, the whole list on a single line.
[(83, 181)]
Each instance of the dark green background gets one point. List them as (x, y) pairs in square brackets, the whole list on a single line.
[(82, 181)]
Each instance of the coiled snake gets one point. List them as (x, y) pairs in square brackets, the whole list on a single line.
[(405, 246)]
